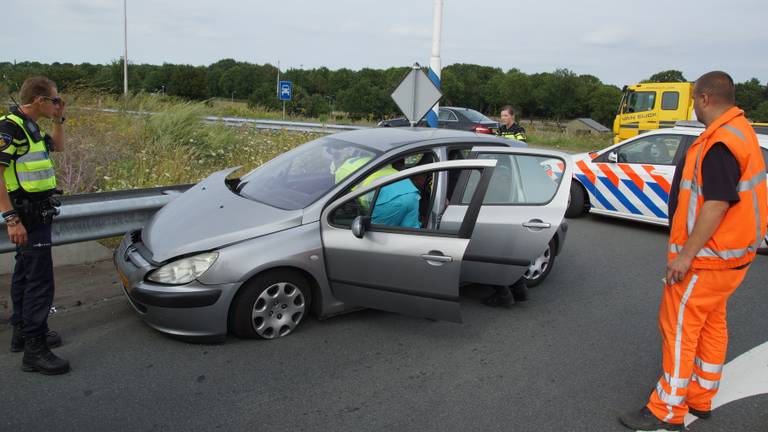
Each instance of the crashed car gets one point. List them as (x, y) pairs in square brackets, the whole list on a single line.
[(314, 230)]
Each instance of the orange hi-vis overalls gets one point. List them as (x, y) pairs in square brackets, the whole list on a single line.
[(692, 316)]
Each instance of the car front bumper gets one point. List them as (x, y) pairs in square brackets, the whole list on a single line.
[(193, 312)]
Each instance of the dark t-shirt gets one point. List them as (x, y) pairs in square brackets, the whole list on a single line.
[(720, 172)]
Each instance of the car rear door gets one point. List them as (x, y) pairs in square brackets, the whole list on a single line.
[(522, 209), (411, 271)]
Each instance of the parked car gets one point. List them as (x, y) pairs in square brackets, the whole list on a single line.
[(632, 179), (465, 119), (255, 255)]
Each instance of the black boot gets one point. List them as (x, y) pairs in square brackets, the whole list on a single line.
[(520, 291), (644, 420), (38, 358), (502, 297), (17, 340), (700, 414)]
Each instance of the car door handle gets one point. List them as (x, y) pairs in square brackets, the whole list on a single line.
[(537, 224), (437, 258)]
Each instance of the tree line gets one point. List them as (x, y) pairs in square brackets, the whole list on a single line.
[(365, 93)]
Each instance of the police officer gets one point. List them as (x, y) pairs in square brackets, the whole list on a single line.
[(27, 183), (509, 128)]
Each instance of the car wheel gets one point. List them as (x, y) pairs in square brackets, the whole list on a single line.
[(576, 201), (270, 306), (541, 266)]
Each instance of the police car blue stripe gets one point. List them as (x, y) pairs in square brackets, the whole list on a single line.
[(659, 191), (593, 190), (643, 198), (620, 196)]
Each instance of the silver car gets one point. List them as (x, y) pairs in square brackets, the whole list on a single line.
[(323, 229)]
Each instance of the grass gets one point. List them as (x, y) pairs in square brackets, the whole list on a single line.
[(567, 142)]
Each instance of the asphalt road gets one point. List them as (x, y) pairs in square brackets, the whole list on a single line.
[(584, 349)]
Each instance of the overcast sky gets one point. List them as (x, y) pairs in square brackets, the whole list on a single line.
[(620, 42)]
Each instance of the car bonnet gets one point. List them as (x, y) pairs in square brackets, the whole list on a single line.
[(210, 216)]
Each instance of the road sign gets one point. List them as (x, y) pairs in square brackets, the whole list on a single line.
[(286, 90), (416, 94)]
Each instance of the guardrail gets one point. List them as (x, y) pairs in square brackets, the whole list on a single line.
[(259, 124), (102, 215)]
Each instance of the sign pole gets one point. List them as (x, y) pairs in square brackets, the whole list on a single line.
[(283, 110), (416, 67), (435, 65)]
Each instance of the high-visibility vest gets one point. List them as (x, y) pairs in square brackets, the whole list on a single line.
[(32, 171), (352, 165), (741, 231)]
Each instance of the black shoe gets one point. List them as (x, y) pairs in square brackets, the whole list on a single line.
[(38, 358), (17, 340), (519, 291), (644, 420), (499, 299), (700, 414)]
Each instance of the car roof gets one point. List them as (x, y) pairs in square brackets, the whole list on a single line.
[(696, 131), (388, 138)]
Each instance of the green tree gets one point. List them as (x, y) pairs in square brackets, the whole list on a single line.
[(671, 75), (750, 94)]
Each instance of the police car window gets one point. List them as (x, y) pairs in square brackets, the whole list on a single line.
[(519, 179), (653, 150), (640, 101), (299, 177), (670, 100)]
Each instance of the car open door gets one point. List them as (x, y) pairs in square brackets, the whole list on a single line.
[(413, 271), (523, 207)]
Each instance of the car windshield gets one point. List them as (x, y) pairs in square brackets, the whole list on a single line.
[(299, 177), (475, 116)]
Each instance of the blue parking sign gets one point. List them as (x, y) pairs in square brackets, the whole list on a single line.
[(286, 90)]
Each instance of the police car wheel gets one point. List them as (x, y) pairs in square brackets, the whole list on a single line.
[(576, 202), (270, 306), (541, 266)]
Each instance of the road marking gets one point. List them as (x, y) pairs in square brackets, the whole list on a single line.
[(744, 376)]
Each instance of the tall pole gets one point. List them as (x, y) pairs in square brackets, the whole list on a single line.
[(435, 66), (125, 53), (277, 84)]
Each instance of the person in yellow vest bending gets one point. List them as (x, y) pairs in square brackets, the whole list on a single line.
[(27, 182)]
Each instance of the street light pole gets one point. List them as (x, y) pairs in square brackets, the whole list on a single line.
[(435, 65), (125, 53)]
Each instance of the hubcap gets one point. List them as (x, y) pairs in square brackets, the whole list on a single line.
[(539, 265), (278, 310)]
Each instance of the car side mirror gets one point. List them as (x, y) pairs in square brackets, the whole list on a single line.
[(613, 157), (360, 225)]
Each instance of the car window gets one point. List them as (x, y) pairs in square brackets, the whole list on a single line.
[(640, 101), (765, 157), (670, 100), (654, 150), (475, 116), (398, 205), (446, 115), (297, 178), (518, 179)]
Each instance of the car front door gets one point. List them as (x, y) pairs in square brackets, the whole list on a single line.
[(374, 262), (522, 209), (635, 178)]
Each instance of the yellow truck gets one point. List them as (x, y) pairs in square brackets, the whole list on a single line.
[(649, 106)]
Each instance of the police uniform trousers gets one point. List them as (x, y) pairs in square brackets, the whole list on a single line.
[(32, 287)]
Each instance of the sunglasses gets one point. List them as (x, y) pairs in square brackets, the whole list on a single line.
[(55, 101)]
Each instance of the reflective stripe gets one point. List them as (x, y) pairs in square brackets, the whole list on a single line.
[(735, 132), (677, 382), (687, 184), (668, 398), (36, 175), (708, 367), (33, 157), (755, 181), (707, 384), (758, 237), (711, 253), (19, 141)]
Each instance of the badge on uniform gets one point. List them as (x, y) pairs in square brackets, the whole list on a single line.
[(5, 141)]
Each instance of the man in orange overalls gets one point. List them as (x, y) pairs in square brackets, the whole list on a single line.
[(717, 218)]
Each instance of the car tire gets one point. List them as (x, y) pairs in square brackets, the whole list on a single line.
[(577, 201), (539, 269), (271, 305)]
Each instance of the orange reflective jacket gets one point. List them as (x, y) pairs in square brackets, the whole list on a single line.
[(741, 231)]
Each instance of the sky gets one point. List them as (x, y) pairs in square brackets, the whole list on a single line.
[(620, 42)]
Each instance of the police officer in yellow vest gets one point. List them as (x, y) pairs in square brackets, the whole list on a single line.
[(509, 127), (28, 182)]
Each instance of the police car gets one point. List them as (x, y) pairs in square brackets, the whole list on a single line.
[(632, 179)]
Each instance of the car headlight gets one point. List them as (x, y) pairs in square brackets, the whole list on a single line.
[(184, 270)]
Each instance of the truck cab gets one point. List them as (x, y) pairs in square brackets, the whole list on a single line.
[(650, 106)]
